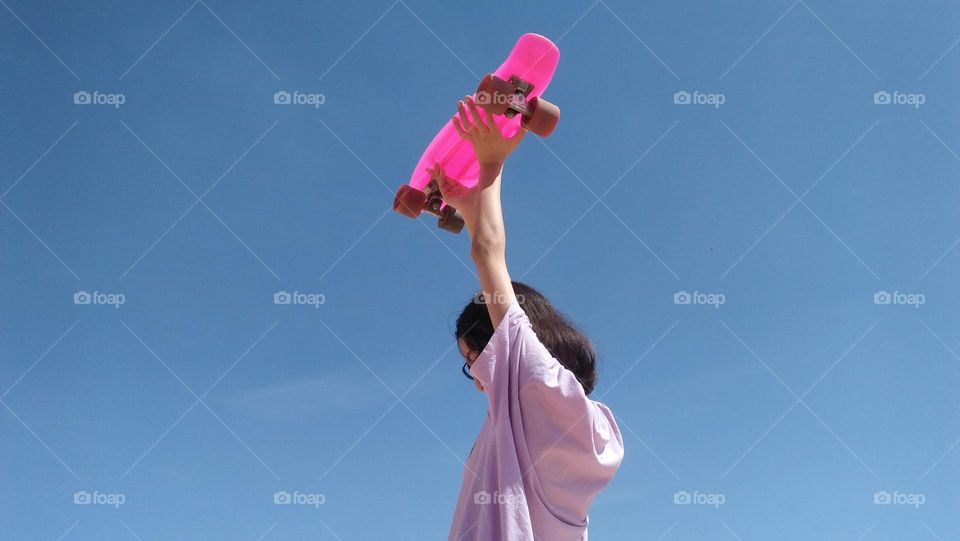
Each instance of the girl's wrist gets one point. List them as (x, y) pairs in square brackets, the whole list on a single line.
[(491, 165), (489, 173)]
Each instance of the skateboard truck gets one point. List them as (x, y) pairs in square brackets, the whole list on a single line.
[(410, 201), (517, 100), (509, 98)]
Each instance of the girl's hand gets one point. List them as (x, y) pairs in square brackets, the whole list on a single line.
[(490, 146), (455, 194)]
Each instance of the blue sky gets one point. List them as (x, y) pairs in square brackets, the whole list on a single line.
[(782, 389)]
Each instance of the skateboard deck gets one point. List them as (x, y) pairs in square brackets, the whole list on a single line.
[(513, 95)]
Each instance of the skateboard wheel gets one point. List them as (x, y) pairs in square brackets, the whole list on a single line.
[(450, 220), (493, 94), (409, 201), (544, 117)]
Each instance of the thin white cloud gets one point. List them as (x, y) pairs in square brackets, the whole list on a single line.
[(346, 391)]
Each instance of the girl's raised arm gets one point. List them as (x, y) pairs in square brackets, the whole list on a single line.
[(480, 205)]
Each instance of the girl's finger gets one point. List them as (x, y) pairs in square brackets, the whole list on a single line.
[(464, 119), (448, 188), (477, 117), (459, 128), (464, 133), (491, 122)]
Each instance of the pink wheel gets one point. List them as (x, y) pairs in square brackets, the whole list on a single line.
[(544, 118), (493, 94), (409, 201)]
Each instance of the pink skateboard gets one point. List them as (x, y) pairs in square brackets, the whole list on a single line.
[(512, 93)]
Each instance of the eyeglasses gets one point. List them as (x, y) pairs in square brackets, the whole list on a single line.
[(466, 367)]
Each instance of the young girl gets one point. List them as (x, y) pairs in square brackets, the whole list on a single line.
[(545, 449)]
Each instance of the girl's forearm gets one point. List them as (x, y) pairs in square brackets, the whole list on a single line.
[(485, 220)]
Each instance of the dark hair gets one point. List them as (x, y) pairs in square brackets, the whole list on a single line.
[(565, 343)]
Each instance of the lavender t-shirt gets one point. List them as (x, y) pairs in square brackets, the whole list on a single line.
[(545, 450)]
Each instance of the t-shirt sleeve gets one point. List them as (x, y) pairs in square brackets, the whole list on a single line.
[(516, 356), (493, 367), (573, 442)]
